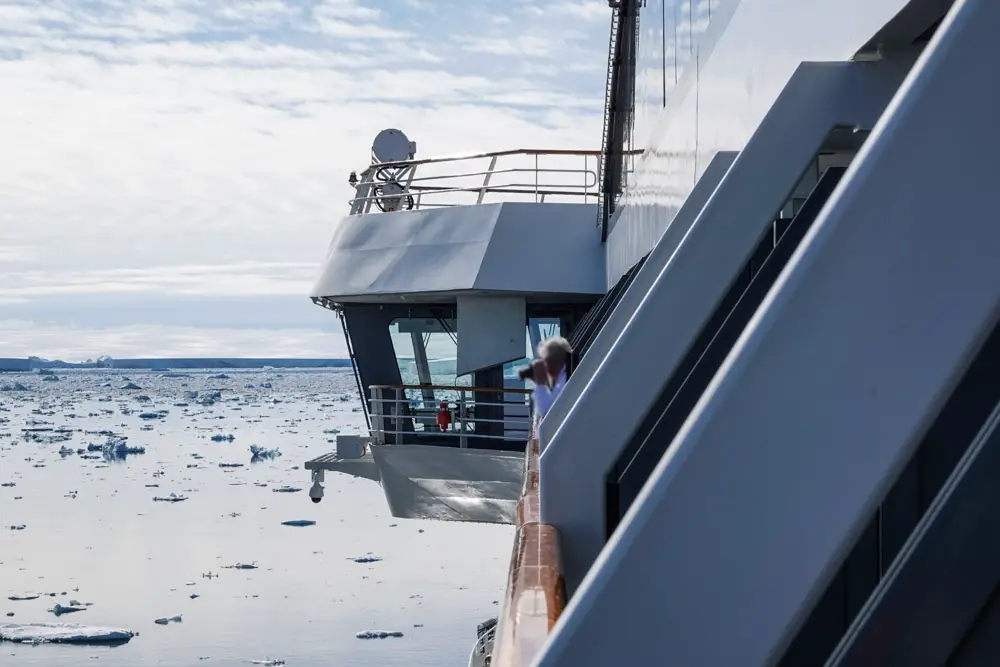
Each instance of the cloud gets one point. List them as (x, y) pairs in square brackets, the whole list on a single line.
[(24, 338), (588, 10), (201, 147)]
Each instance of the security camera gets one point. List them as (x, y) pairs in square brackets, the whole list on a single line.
[(316, 492)]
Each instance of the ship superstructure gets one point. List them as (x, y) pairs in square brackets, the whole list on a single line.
[(779, 273)]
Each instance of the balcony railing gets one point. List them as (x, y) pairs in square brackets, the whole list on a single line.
[(450, 412), (530, 175), (536, 591)]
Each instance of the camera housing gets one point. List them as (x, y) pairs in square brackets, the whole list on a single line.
[(316, 492), (525, 373)]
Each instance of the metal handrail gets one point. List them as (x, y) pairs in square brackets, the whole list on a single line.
[(473, 156), (482, 649), (393, 186), (389, 416), (441, 387)]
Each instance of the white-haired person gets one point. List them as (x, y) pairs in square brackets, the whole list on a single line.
[(549, 372)]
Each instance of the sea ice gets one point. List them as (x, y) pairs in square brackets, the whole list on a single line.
[(73, 606), (258, 453), (62, 633), (169, 619), (17, 386), (116, 448), (381, 634), (172, 498)]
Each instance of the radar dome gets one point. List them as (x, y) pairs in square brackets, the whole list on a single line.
[(392, 146)]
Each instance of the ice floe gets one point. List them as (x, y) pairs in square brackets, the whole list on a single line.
[(169, 619), (62, 633), (262, 453), (172, 498), (378, 634)]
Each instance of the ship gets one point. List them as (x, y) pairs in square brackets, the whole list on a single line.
[(779, 272)]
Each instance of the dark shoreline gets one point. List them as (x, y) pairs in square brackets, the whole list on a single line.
[(33, 364)]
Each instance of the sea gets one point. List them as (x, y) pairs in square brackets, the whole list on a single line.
[(80, 527)]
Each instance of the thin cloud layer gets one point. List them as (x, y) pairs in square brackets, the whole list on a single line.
[(200, 148)]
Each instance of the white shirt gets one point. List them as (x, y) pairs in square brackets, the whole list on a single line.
[(545, 396)]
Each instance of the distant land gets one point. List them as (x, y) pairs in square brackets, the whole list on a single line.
[(36, 363)]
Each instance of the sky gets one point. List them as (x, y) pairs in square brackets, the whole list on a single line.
[(172, 170)]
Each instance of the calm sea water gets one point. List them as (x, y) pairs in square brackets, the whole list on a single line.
[(93, 532)]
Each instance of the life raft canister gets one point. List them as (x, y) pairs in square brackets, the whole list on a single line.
[(444, 416)]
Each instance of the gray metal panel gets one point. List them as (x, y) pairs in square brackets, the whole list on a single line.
[(685, 292), (929, 601), (507, 247), (450, 484), (493, 332), (658, 257), (429, 250), (544, 248), (374, 354), (826, 395)]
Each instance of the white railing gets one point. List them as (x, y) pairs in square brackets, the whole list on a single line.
[(483, 648), (448, 412), (530, 175)]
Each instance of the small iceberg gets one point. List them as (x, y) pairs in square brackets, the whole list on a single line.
[(172, 498), (262, 453), (72, 607), (366, 559), (242, 566), (372, 634), (131, 386), (169, 619), (116, 449), (298, 523), (62, 633)]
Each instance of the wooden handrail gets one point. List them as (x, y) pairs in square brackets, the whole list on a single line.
[(536, 591), (495, 390)]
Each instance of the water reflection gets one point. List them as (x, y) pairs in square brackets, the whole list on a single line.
[(93, 532)]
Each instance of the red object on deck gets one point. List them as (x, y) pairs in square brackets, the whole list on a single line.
[(444, 416)]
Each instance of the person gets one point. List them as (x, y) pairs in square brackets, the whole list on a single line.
[(549, 372)]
